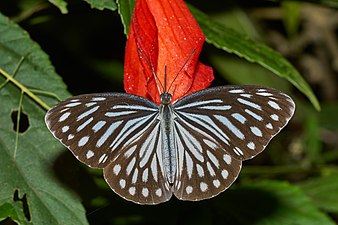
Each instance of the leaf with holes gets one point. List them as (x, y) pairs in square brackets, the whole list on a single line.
[(31, 192)]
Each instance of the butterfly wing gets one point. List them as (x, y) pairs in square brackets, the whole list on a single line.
[(217, 128), (117, 132)]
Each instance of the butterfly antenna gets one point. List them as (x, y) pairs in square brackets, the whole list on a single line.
[(165, 78), (185, 63), (157, 80)]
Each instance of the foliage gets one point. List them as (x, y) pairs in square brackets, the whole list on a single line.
[(293, 182)]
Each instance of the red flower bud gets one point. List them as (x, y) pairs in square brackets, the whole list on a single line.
[(163, 33)]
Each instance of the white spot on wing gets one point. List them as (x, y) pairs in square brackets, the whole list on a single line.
[(238, 151), (158, 192), (213, 158), (98, 125), (122, 183), (216, 183), (203, 186), (132, 191), (254, 115), (266, 94), (210, 169), (274, 117), (70, 136), (269, 126), (188, 189), (89, 154), (122, 113), (236, 91), (130, 166), (133, 107), (130, 151), (103, 158), (246, 95), (145, 192), (251, 145), (63, 110), (227, 159), (117, 169), (65, 129), (98, 99), (256, 131), (73, 104), (248, 103), (189, 164), (64, 116), (200, 170), (84, 124), (225, 174), (216, 107), (210, 143), (239, 117), (153, 168), (199, 103), (135, 176), (274, 105), (83, 141), (145, 175), (89, 104), (87, 113)]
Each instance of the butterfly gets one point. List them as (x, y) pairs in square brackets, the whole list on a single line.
[(192, 148)]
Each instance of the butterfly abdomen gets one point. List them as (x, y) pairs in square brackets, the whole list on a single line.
[(167, 136)]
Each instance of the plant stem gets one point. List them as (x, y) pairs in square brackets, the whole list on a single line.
[(24, 89)]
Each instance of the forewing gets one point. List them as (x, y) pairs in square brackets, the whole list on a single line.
[(137, 174), (97, 127), (240, 119)]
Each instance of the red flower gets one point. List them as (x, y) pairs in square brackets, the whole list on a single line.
[(167, 34)]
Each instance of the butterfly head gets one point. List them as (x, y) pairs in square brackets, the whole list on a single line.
[(165, 98)]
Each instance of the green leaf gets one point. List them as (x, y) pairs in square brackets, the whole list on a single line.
[(31, 192), (313, 145), (331, 3), (9, 210), (61, 4), (126, 8), (328, 116), (269, 203), (291, 17), (233, 42), (102, 4), (323, 191), (236, 71)]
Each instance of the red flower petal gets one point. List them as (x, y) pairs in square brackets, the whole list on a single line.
[(167, 34), (136, 71)]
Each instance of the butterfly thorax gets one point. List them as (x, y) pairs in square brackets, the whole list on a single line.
[(167, 136)]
